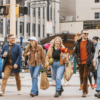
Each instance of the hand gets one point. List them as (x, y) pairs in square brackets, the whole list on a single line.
[(94, 64), (15, 66), (48, 68), (4, 55), (28, 53)]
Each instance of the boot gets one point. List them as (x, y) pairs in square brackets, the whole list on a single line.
[(57, 94), (97, 94), (84, 95), (92, 86), (81, 87), (61, 90)]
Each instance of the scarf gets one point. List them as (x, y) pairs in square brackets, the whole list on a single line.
[(95, 45)]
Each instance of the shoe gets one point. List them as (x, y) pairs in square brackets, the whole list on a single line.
[(97, 95), (81, 87), (62, 90), (95, 85), (32, 95), (57, 94), (84, 95), (1, 93), (19, 92), (92, 86), (36, 94), (53, 84)]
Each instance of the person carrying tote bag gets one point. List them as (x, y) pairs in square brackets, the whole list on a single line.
[(58, 65), (36, 57)]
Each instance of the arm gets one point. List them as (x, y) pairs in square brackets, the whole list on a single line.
[(19, 55), (43, 57), (93, 51), (25, 52), (47, 58)]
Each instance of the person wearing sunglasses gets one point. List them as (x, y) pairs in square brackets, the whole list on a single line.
[(84, 54)]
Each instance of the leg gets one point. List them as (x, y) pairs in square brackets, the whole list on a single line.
[(7, 71), (18, 81), (35, 80), (85, 78), (81, 71), (59, 75), (90, 78)]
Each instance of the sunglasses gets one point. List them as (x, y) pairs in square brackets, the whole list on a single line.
[(86, 33)]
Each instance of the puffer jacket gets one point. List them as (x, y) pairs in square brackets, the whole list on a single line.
[(90, 49)]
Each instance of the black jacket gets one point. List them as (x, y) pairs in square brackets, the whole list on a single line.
[(90, 49)]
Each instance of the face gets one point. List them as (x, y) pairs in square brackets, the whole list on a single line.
[(99, 54), (84, 34), (94, 41), (57, 42), (52, 41), (78, 35), (32, 43), (11, 39)]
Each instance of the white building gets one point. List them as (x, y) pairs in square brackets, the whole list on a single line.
[(34, 23), (80, 14)]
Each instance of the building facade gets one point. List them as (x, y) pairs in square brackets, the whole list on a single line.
[(32, 24), (86, 15)]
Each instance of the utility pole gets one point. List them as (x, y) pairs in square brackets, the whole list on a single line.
[(48, 36), (13, 17)]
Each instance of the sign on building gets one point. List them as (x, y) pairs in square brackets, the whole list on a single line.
[(49, 27)]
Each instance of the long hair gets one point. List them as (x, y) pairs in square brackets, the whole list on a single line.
[(61, 42)]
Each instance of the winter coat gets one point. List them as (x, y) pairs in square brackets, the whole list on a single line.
[(16, 54), (40, 55), (90, 49)]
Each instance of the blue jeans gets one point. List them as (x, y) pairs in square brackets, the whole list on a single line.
[(58, 71), (52, 73), (34, 71), (98, 77)]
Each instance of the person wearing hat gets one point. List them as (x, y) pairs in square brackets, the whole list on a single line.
[(36, 57), (95, 61)]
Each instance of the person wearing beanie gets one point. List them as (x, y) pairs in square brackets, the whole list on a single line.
[(36, 57), (95, 61)]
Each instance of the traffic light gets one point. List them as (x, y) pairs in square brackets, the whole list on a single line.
[(3, 10)]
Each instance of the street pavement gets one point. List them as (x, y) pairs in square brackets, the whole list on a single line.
[(71, 90)]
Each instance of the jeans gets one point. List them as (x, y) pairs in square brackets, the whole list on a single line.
[(98, 77), (0, 74), (52, 73), (58, 71), (34, 71)]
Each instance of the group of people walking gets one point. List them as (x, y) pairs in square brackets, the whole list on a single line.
[(86, 54)]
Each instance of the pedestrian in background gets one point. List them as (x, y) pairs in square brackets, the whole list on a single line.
[(47, 46), (58, 65), (84, 54), (36, 57), (98, 77), (11, 53)]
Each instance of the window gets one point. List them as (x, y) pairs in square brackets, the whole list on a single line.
[(43, 12), (97, 1), (28, 29), (1, 26), (92, 25), (43, 30), (38, 30), (38, 12), (7, 1), (1, 2), (34, 12), (97, 15), (8, 27), (22, 28), (34, 29), (16, 27)]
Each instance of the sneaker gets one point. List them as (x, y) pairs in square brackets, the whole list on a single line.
[(19, 92), (1, 93), (95, 85)]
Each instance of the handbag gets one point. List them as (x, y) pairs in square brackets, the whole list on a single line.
[(68, 72), (51, 60)]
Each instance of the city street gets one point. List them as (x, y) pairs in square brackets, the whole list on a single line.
[(71, 91)]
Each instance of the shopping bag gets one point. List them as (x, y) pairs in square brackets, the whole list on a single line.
[(44, 81), (68, 72)]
